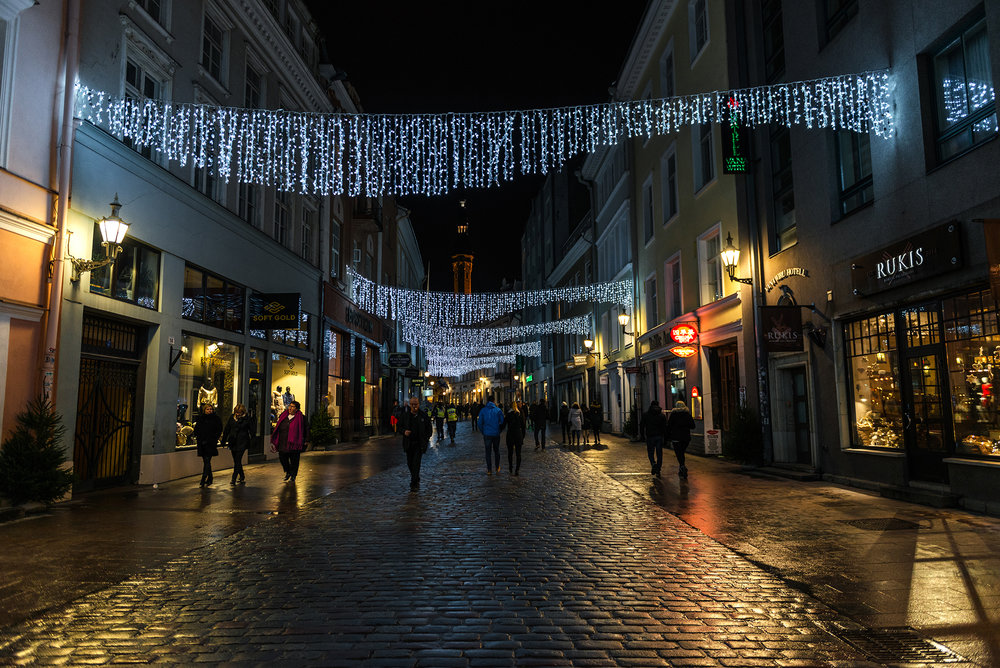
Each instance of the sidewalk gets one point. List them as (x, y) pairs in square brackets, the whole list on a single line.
[(884, 563)]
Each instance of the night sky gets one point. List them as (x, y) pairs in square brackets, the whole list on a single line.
[(439, 57)]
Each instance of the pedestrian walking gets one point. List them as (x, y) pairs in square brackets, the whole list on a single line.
[(452, 417), (207, 430), (540, 416), (439, 415), (679, 426), (575, 424), (394, 416), (289, 439), (514, 423), (237, 435), (490, 423), (596, 418), (476, 408), (564, 421), (415, 425), (655, 425), (585, 425)]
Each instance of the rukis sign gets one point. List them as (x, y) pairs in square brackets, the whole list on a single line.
[(782, 326), (275, 311), (917, 257)]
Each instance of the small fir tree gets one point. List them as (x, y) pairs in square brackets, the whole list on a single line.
[(322, 433), (31, 461)]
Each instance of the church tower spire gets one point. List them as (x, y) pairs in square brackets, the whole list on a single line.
[(461, 259)]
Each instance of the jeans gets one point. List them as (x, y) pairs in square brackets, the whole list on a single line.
[(540, 434), (290, 462), (237, 463), (654, 448), (206, 470), (452, 426), (680, 447), (512, 450), (413, 457), (492, 444)]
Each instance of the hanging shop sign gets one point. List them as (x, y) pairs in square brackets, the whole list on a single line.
[(358, 320), (399, 360), (683, 334), (734, 142), (930, 253), (275, 311), (411, 373), (684, 351), (580, 360), (785, 273), (782, 327), (528, 378), (417, 382)]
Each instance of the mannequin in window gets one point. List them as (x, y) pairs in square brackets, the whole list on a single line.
[(276, 404), (208, 393), (287, 397)]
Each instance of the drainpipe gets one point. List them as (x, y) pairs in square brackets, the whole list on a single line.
[(65, 162)]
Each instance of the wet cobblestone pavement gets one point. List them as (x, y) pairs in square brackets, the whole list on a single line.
[(562, 565)]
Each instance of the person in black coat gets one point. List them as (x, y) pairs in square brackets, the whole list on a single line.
[(679, 426), (655, 424), (415, 426), (564, 421), (514, 423), (540, 416), (596, 417), (238, 434), (207, 429)]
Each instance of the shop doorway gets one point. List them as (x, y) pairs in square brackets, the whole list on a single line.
[(104, 450), (796, 378), (256, 407), (924, 424)]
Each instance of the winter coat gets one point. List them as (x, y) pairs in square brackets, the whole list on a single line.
[(575, 418), (539, 415), (514, 423), (238, 433), (679, 425), (596, 416), (419, 426), (296, 431), (654, 422), (207, 429), (564, 415), (490, 420)]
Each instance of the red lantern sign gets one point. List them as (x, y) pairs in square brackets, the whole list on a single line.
[(683, 334), (695, 392), (684, 351)]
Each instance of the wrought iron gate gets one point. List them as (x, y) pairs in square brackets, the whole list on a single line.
[(104, 442)]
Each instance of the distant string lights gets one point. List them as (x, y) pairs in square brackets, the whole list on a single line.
[(432, 154)]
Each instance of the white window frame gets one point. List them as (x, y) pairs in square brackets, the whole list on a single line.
[(9, 23), (668, 287), (143, 52), (669, 194), (705, 264), (163, 22), (213, 14), (696, 157), (693, 29)]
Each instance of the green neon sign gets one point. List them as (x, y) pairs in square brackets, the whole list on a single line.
[(527, 378)]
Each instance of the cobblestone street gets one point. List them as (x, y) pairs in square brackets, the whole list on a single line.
[(561, 565)]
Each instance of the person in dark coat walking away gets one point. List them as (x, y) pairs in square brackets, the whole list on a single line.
[(514, 423), (415, 426), (679, 426), (564, 421), (239, 432), (596, 415), (490, 424), (476, 408), (655, 424), (540, 416), (289, 439), (207, 429)]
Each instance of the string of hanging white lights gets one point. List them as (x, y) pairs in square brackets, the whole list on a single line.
[(448, 309), (431, 154), (420, 334)]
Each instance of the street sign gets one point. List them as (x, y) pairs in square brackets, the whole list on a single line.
[(633, 369), (399, 360), (417, 382), (713, 442)]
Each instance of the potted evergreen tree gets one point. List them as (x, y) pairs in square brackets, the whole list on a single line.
[(31, 461)]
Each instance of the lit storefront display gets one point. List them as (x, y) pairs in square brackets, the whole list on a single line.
[(209, 371), (292, 374), (921, 377), (337, 372)]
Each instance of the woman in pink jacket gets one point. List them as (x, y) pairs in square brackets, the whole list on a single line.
[(289, 439)]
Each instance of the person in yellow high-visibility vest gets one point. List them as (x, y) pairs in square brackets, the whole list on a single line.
[(439, 415), (452, 413)]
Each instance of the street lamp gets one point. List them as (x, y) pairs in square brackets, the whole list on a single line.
[(731, 258), (113, 230), (588, 344), (623, 319)]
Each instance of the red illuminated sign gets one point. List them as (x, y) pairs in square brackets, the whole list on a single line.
[(695, 392), (684, 351), (683, 334)]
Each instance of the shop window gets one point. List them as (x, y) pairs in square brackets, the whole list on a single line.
[(923, 325), (338, 374), (134, 276), (676, 381), (854, 170), (209, 372), (212, 300), (973, 360), (370, 380), (873, 367), (964, 96), (292, 375)]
